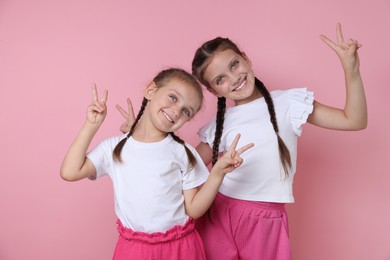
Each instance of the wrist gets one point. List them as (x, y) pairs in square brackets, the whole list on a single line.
[(217, 173), (89, 126)]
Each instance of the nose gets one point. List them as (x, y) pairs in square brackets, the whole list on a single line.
[(234, 78), (175, 109)]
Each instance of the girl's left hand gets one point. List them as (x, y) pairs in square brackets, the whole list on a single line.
[(346, 50), (231, 159)]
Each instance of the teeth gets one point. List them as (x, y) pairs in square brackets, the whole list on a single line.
[(167, 117), (241, 86)]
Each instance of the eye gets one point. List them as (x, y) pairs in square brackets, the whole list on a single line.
[(219, 80), (173, 98), (234, 64), (187, 112)]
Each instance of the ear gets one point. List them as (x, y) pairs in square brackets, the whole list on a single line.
[(150, 90), (246, 59), (214, 92)]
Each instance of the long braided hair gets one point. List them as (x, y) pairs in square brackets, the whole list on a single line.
[(161, 80), (202, 59)]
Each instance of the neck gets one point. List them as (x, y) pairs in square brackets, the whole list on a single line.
[(255, 95), (142, 133)]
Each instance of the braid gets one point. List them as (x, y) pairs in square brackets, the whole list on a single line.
[(283, 150), (190, 155), (219, 128), (119, 146)]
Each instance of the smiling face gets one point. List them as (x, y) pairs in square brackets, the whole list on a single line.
[(171, 105), (230, 75)]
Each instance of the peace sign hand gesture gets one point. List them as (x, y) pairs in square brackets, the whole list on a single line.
[(128, 115), (346, 50), (97, 110), (231, 159)]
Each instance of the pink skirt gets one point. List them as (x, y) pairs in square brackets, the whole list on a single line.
[(179, 242)]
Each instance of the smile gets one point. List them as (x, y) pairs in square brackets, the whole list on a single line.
[(241, 86), (168, 117)]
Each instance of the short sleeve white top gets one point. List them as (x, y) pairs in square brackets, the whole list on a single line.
[(149, 184), (261, 177)]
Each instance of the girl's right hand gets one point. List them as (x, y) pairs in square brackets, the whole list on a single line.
[(128, 115), (97, 110)]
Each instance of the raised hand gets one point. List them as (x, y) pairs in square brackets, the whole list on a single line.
[(97, 110), (128, 115), (346, 50), (231, 159), (354, 114)]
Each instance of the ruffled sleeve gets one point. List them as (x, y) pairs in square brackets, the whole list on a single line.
[(301, 106), (207, 132)]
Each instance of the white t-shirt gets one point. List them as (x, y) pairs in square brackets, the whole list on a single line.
[(261, 177), (149, 184)]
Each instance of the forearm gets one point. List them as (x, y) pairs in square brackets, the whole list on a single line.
[(72, 165), (198, 201), (204, 196), (355, 106)]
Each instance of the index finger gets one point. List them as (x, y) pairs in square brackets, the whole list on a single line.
[(235, 142), (244, 148), (122, 111), (105, 96), (329, 42)]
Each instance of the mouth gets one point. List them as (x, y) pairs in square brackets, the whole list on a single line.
[(240, 86), (168, 117)]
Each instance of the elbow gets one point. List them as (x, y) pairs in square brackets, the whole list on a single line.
[(67, 175), (355, 124), (195, 216), (361, 125)]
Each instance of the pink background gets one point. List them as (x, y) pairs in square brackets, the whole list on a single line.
[(52, 51)]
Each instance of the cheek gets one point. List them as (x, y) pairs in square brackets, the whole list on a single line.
[(181, 123)]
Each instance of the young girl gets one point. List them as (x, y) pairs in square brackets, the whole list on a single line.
[(248, 219), (156, 176)]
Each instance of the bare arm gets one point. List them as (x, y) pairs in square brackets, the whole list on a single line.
[(205, 152), (198, 200), (354, 114), (75, 165)]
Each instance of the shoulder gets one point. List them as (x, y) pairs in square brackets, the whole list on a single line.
[(110, 142), (113, 140), (291, 94), (280, 94)]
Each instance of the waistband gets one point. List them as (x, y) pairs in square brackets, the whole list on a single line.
[(256, 204), (171, 234)]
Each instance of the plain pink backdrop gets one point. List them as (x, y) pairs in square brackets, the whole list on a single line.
[(52, 51)]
